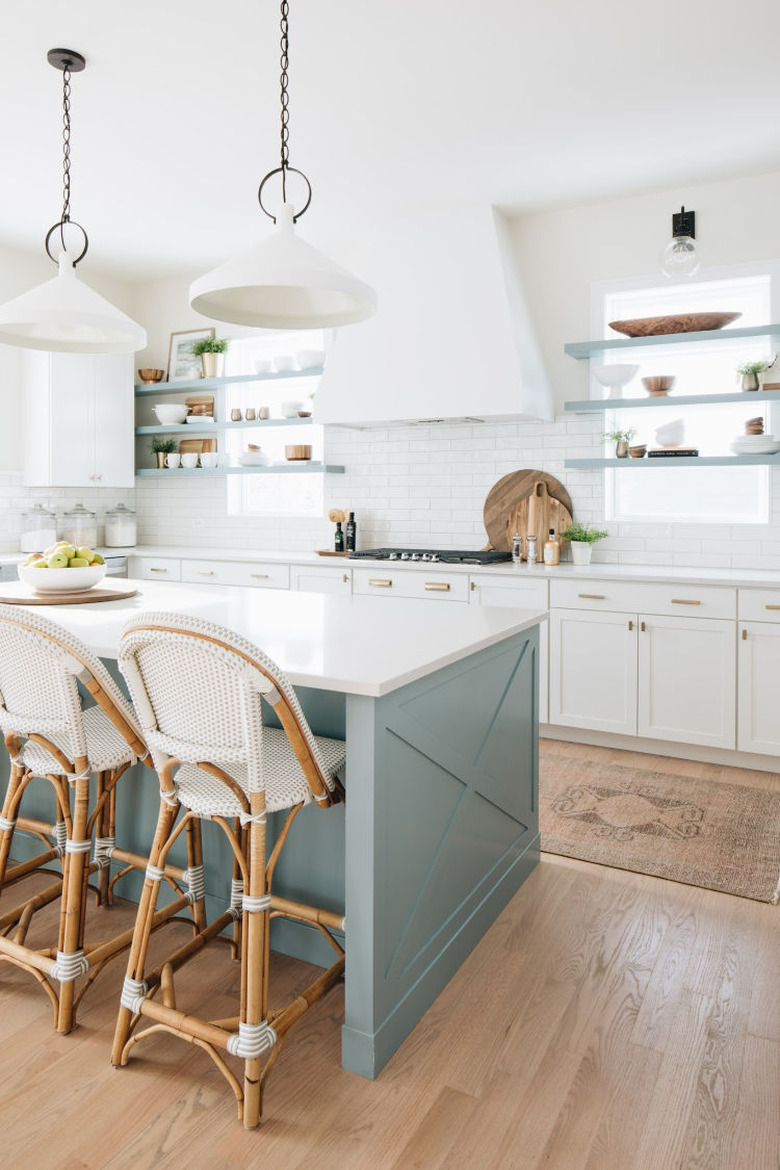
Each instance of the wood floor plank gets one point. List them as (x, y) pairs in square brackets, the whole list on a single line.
[(755, 1140)]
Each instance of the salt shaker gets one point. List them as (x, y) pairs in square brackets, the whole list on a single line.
[(531, 555), (517, 549)]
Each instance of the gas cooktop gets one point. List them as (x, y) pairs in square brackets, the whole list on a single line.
[(444, 556)]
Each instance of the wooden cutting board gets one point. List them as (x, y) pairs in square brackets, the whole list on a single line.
[(537, 513), (17, 593), (502, 520), (196, 446)]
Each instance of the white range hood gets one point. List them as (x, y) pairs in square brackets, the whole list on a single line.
[(452, 337)]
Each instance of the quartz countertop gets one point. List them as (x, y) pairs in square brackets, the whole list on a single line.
[(355, 645)]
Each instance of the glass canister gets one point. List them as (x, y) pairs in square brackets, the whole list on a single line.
[(79, 526), (120, 527), (39, 529)]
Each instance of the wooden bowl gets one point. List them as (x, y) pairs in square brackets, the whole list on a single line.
[(148, 376), (298, 452), (638, 452), (658, 386), (681, 323)]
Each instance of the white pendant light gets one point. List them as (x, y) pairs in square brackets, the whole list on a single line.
[(282, 282), (63, 315)]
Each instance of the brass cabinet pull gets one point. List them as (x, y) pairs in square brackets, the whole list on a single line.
[(593, 596), (744, 635), (381, 582), (772, 607), (437, 586), (683, 601), (345, 578), (474, 586), (259, 576), (630, 625), (643, 627), (153, 570), (205, 572)]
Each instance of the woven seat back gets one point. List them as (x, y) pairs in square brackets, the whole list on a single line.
[(197, 691), (40, 664)]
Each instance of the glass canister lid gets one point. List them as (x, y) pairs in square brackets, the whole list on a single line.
[(79, 512), (38, 516), (120, 512)]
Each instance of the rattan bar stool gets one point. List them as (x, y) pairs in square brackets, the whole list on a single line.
[(197, 691), (51, 736)]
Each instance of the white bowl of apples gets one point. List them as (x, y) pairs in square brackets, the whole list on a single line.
[(62, 568)]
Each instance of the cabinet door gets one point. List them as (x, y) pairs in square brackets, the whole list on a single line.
[(503, 592), (759, 686), (593, 670), (112, 412), (316, 580), (252, 574), (687, 680)]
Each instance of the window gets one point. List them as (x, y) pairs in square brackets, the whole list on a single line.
[(263, 494), (700, 494)]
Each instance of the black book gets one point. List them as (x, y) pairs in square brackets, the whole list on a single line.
[(671, 453)]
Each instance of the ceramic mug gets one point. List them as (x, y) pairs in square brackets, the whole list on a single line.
[(263, 412), (172, 460), (190, 459), (209, 459), (250, 414)]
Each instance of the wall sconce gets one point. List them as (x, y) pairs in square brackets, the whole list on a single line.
[(680, 256)]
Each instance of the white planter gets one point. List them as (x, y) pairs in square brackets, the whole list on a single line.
[(580, 552)]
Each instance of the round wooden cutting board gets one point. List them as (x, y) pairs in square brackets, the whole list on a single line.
[(516, 504)]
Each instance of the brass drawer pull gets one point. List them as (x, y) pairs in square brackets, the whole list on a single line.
[(381, 582), (345, 578), (683, 601), (744, 635), (630, 625), (205, 572), (437, 586), (259, 576), (593, 596), (474, 586), (772, 607), (153, 570)]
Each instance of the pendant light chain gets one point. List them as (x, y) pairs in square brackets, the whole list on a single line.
[(65, 146), (285, 97)]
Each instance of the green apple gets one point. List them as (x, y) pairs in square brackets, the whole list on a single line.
[(67, 550), (78, 563), (58, 560), (97, 559), (85, 553), (41, 563)]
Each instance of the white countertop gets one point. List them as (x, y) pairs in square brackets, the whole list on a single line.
[(363, 646), (746, 578)]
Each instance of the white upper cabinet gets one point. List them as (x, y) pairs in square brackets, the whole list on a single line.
[(452, 336), (78, 420)]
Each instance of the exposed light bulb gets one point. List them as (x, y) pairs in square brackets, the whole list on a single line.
[(681, 257)]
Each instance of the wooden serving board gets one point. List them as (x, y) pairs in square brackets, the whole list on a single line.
[(538, 513), (326, 552), (501, 518), (17, 593), (197, 446)]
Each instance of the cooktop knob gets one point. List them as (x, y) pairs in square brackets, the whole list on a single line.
[(415, 557), (393, 557), (405, 557)]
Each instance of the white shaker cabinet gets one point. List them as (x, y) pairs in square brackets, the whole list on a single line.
[(78, 420), (759, 671), (316, 579), (525, 593), (593, 670)]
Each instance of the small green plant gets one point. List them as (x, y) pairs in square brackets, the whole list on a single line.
[(160, 446), (620, 436), (753, 367), (209, 345), (584, 534)]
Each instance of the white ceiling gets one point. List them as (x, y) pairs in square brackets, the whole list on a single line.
[(526, 105)]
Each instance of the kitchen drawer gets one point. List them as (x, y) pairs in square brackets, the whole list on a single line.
[(487, 589), (758, 605), (154, 568), (678, 600), (255, 574), (381, 583)]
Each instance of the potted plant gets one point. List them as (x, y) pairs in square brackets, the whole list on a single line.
[(621, 439), (162, 447), (750, 374), (209, 350), (582, 538)]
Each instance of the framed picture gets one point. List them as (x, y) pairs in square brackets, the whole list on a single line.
[(183, 366)]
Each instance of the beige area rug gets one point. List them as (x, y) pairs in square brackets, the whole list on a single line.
[(702, 832)]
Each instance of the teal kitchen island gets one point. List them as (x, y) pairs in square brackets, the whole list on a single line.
[(439, 707)]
